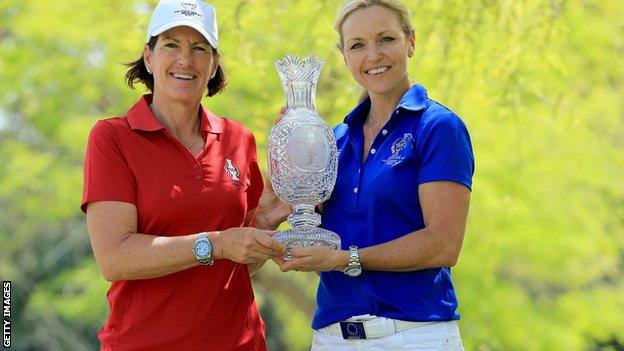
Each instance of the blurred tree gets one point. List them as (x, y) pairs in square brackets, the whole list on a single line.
[(275, 333), (539, 83)]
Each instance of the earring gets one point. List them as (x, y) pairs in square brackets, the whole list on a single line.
[(148, 70)]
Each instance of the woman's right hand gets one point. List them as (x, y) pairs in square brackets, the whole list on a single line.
[(247, 245)]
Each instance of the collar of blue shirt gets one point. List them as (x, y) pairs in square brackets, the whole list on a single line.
[(414, 99)]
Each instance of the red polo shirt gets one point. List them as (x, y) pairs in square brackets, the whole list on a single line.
[(134, 159)]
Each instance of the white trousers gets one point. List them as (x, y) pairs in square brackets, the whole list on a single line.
[(430, 337)]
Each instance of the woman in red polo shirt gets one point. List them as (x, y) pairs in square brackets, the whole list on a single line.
[(170, 192)]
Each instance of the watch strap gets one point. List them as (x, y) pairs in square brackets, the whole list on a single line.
[(354, 267)]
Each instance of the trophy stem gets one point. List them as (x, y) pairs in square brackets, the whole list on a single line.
[(304, 215)]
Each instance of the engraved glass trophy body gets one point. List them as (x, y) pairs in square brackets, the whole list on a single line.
[(303, 157)]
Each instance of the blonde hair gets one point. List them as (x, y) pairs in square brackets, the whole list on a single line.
[(402, 12)]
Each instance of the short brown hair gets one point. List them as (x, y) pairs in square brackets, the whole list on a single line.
[(138, 73)]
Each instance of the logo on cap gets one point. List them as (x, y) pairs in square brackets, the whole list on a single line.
[(189, 5), (189, 9)]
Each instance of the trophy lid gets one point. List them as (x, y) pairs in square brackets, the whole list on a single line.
[(294, 68)]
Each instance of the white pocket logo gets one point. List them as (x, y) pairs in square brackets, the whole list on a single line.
[(396, 149), (231, 169)]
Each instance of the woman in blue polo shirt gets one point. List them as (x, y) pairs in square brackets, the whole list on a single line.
[(400, 203)]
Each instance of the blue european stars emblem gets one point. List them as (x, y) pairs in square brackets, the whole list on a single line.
[(352, 330)]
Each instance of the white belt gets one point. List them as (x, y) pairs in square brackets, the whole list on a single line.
[(369, 327)]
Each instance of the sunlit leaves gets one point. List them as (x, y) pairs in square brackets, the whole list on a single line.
[(539, 84)]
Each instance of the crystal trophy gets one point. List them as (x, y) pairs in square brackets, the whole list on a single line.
[(303, 156)]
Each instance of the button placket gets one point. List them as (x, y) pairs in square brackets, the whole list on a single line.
[(383, 133), (356, 188), (199, 172)]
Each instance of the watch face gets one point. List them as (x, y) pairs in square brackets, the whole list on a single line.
[(203, 249), (353, 271)]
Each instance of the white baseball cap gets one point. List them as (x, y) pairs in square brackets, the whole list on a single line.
[(191, 13)]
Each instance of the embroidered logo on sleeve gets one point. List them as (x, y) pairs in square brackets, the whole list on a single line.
[(397, 147), (232, 170)]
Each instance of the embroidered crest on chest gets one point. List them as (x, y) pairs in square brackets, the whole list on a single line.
[(396, 149), (232, 170)]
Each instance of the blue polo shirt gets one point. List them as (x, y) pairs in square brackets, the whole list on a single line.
[(377, 201)]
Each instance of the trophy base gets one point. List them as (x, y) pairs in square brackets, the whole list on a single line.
[(308, 236)]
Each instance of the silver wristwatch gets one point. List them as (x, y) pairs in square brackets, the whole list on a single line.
[(353, 268), (203, 249)]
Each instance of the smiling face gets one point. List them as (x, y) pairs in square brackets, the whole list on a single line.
[(376, 50), (181, 62)]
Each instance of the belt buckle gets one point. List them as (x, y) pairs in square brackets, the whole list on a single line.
[(353, 330)]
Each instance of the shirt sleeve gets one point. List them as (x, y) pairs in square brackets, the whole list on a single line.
[(256, 184), (107, 176), (446, 151)]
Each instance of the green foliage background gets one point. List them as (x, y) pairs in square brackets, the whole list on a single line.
[(539, 83)]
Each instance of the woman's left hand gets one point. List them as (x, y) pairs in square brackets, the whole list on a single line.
[(314, 259)]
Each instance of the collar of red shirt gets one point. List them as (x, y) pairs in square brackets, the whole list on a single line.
[(140, 117)]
